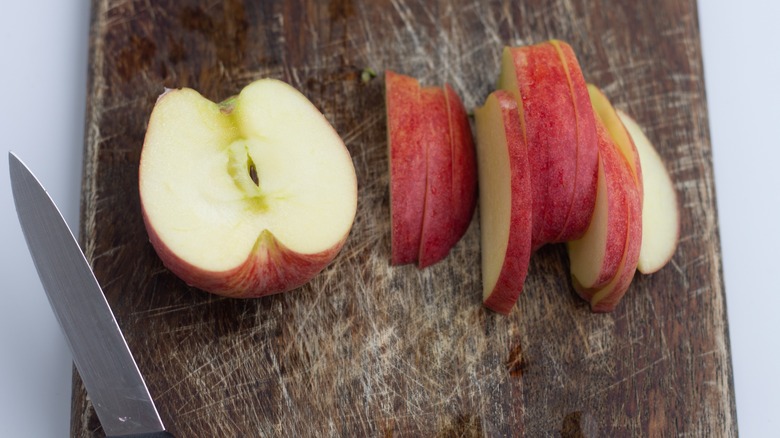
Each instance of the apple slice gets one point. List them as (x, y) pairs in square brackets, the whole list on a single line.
[(606, 112), (407, 166), (660, 210), (248, 198), (535, 76), (605, 298), (595, 258), (517, 65), (505, 201), (583, 199), (437, 236), (557, 119), (464, 165)]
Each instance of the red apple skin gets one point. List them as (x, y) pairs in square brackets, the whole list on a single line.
[(513, 272), (437, 237), (270, 269), (617, 204), (407, 164), (584, 196), (551, 135), (464, 165)]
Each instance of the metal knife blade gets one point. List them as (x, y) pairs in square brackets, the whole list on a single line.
[(104, 362)]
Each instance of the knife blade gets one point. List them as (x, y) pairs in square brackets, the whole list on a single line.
[(103, 359)]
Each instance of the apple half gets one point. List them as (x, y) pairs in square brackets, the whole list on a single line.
[(247, 198), (660, 209), (505, 201)]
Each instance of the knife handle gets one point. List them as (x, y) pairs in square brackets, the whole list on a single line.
[(162, 434)]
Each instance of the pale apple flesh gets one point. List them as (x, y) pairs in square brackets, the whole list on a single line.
[(660, 209), (246, 199), (407, 162), (505, 201)]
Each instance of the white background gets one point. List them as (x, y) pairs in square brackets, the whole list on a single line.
[(43, 80)]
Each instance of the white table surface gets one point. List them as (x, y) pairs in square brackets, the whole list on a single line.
[(43, 80)]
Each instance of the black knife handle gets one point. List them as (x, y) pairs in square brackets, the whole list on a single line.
[(162, 434)]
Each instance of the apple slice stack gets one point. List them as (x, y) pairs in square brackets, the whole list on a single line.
[(433, 175), (557, 164)]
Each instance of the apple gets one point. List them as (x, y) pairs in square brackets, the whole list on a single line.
[(407, 166), (557, 122), (247, 198), (437, 234), (464, 165), (595, 258), (660, 209), (505, 201)]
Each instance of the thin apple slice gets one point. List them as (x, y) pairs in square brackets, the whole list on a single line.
[(605, 298), (464, 165), (583, 199), (555, 120), (595, 258), (505, 201), (523, 73), (437, 226), (248, 198), (660, 209), (604, 110), (407, 166)]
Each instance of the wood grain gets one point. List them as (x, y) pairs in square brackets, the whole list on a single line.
[(366, 349)]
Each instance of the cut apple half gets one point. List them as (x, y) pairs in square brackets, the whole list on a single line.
[(660, 209), (248, 198), (407, 166), (505, 201)]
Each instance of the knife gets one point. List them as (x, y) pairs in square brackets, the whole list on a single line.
[(104, 362)]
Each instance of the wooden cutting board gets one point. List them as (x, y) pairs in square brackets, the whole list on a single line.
[(367, 349)]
